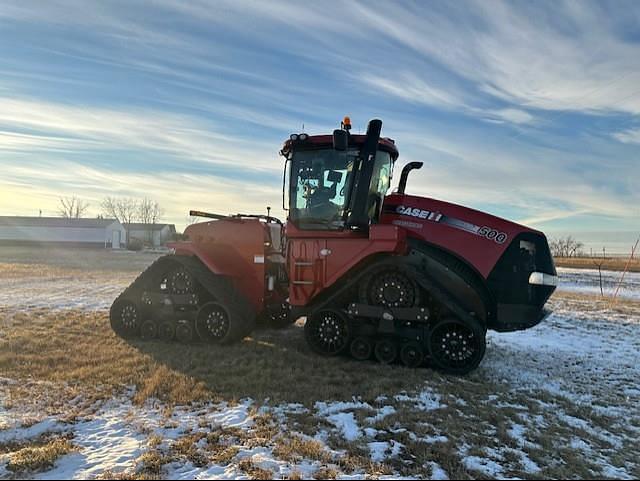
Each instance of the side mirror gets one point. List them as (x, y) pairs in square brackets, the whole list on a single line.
[(340, 139), (405, 174)]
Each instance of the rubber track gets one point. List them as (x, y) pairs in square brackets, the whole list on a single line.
[(221, 289), (218, 287)]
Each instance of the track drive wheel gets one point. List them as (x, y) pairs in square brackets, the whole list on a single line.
[(327, 332), (412, 354), (386, 351), (456, 347), (361, 348), (390, 287), (179, 281), (125, 318)]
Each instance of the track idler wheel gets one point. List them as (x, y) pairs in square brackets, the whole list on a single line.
[(361, 348), (213, 322), (456, 347), (125, 318), (327, 332), (149, 330), (386, 351), (167, 331), (412, 354), (184, 331)]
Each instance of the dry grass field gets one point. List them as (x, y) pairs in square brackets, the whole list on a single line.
[(610, 264), (558, 401)]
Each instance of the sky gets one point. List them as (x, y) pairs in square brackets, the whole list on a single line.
[(528, 110)]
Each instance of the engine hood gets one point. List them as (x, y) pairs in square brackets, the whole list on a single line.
[(475, 236)]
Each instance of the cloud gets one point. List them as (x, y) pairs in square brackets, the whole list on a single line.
[(217, 88), (576, 60), (40, 125), (514, 116), (630, 136), (40, 184)]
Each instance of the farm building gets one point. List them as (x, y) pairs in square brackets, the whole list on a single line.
[(155, 235), (107, 233)]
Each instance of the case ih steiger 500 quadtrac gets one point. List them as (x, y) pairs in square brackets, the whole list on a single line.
[(391, 277)]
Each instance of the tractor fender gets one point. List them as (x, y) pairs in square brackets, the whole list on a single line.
[(187, 248), (452, 281)]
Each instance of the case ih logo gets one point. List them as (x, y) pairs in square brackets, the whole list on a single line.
[(419, 213), (483, 231)]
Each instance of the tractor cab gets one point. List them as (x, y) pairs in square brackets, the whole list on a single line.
[(338, 182)]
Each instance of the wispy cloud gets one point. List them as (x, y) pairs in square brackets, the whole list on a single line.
[(521, 108), (47, 125), (630, 136)]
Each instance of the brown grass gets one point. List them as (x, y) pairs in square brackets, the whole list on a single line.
[(36, 458), (610, 264), (295, 448), (253, 471)]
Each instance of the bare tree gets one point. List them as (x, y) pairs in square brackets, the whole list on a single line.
[(72, 207), (124, 209), (565, 247), (149, 213)]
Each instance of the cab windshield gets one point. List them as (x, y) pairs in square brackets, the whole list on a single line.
[(321, 186)]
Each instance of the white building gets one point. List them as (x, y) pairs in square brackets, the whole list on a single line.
[(107, 233), (155, 235)]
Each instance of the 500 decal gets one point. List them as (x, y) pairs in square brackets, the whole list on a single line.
[(436, 216), (489, 233)]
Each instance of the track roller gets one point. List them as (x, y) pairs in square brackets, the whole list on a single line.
[(149, 330), (361, 348), (125, 318), (184, 331), (327, 332), (386, 351), (456, 347), (411, 354), (167, 331)]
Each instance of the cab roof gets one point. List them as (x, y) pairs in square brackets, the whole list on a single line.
[(323, 141)]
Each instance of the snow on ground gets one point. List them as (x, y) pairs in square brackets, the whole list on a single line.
[(74, 291), (569, 351), (117, 435), (587, 281)]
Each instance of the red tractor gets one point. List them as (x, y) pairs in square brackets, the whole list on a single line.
[(386, 276)]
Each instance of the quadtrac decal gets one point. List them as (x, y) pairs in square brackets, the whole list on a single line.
[(434, 216)]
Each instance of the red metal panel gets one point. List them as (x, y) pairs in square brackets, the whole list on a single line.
[(317, 259), (451, 226), (233, 248)]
